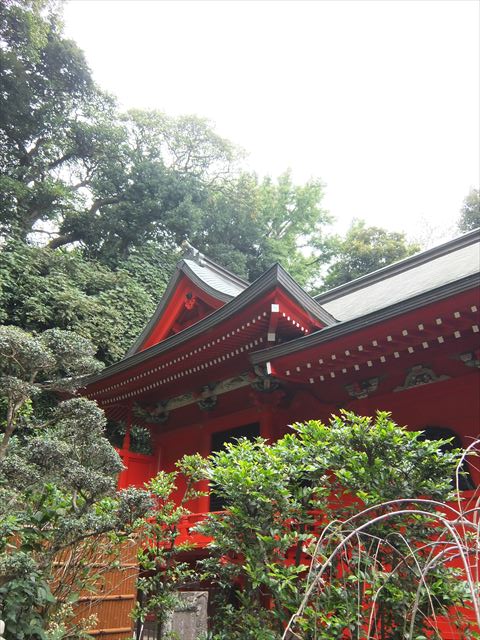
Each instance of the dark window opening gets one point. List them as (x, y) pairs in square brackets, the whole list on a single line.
[(465, 481), (219, 440)]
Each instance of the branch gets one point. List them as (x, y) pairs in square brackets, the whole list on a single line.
[(61, 160), (68, 238), (28, 156), (10, 427), (60, 241), (79, 185), (101, 202)]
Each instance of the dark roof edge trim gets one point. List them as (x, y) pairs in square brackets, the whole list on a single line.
[(307, 302), (399, 267), (164, 300), (274, 276), (343, 328)]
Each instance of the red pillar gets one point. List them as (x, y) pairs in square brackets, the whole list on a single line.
[(267, 424), (267, 406), (125, 451), (204, 449)]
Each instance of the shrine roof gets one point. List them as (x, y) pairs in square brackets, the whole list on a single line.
[(432, 275), (428, 277), (209, 275), (402, 280), (274, 277)]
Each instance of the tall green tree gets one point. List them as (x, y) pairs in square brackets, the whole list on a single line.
[(77, 170), (151, 183), (47, 98), (251, 223), (363, 250), (470, 212)]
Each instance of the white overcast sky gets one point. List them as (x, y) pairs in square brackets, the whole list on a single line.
[(380, 100)]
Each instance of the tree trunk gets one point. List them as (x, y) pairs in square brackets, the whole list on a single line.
[(9, 429)]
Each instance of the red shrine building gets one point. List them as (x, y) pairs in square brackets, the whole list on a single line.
[(222, 357)]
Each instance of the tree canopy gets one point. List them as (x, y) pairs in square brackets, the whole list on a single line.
[(42, 288), (252, 223), (95, 202), (470, 212), (363, 250), (47, 99)]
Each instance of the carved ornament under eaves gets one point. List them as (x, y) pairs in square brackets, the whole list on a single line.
[(362, 389), (420, 375)]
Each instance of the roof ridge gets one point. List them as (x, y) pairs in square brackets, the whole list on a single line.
[(400, 266)]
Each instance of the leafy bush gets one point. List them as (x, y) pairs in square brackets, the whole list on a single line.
[(140, 437), (302, 497)]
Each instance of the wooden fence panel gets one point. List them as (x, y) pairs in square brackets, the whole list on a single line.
[(113, 595)]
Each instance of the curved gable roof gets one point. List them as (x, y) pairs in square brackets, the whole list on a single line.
[(209, 277), (274, 277), (214, 280)]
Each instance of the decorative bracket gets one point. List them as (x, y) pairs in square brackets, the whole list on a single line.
[(157, 413), (471, 359), (264, 382), (207, 399), (362, 389), (420, 375)]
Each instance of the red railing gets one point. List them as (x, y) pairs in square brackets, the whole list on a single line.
[(187, 533)]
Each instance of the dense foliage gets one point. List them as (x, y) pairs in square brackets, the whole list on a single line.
[(261, 544), (42, 288), (95, 203), (58, 477), (252, 223)]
